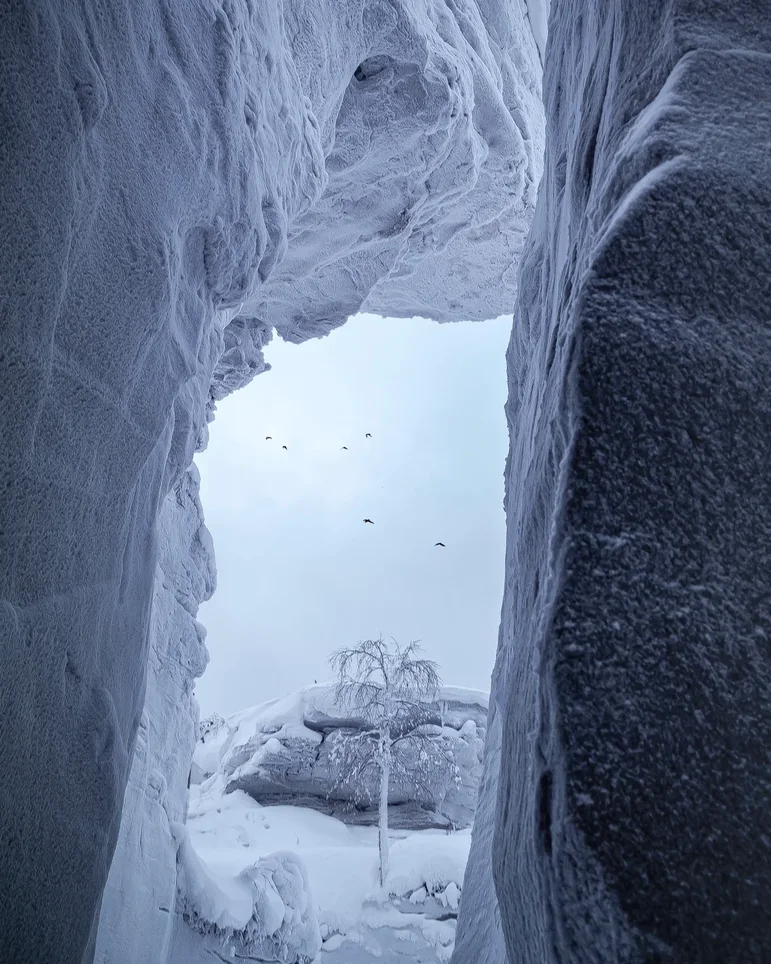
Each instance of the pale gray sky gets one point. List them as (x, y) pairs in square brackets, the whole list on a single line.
[(299, 573)]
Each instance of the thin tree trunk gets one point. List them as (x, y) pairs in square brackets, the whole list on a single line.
[(385, 774)]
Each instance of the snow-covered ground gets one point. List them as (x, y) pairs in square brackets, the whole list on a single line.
[(229, 832)]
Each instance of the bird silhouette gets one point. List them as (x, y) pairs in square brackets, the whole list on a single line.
[(367, 435), (283, 446), (370, 521), (268, 438), (344, 448), (440, 544)]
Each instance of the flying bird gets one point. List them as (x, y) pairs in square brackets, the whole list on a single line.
[(370, 521), (283, 446), (440, 544), (344, 448), (268, 438), (367, 435)]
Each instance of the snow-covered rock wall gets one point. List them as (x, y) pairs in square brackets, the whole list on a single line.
[(628, 772), (141, 891), (160, 162), (287, 751)]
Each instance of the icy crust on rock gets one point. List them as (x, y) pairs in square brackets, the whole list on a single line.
[(430, 139), (160, 160), (630, 793), (284, 751)]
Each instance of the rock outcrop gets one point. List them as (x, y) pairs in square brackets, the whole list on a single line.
[(627, 764), (284, 752), (160, 162)]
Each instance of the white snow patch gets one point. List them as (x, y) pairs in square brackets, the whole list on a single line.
[(267, 904), (227, 834)]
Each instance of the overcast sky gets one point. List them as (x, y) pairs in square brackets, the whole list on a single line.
[(299, 572)]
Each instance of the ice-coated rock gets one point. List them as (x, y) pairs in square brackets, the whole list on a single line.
[(627, 773), (284, 752), (178, 179)]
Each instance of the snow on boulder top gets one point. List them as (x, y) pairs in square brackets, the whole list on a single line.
[(282, 752), (301, 712), (462, 694)]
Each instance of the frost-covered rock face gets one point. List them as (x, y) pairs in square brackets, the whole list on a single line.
[(630, 723), (284, 752), (141, 891), (170, 170)]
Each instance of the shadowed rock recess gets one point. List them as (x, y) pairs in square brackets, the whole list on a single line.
[(179, 180), (625, 803)]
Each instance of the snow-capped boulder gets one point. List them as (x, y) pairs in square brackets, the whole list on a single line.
[(286, 752), (162, 161)]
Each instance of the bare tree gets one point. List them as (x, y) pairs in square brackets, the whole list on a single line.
[(388, 689), (209, 724)]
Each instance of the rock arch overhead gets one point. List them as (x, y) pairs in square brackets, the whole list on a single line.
[(180, 180)]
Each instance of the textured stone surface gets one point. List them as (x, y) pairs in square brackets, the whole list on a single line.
[(633, 673), (157, 167)]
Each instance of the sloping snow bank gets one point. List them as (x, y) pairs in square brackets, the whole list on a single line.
[(229, 836), (265, 909)]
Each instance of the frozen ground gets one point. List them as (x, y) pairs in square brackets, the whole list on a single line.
[(230, 832)]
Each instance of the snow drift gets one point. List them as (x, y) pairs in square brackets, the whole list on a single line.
[(229, 835), (265, 910)]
